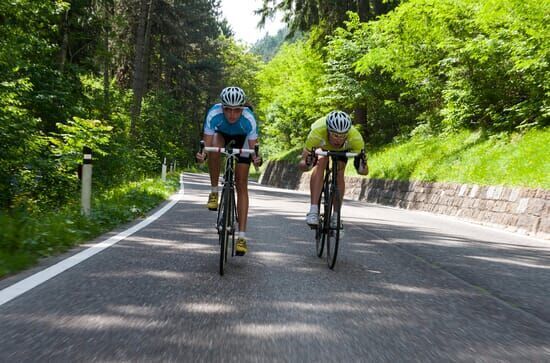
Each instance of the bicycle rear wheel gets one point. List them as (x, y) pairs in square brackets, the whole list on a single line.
[(333, 232)]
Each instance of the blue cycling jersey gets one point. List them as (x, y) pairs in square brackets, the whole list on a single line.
[(216, 122)]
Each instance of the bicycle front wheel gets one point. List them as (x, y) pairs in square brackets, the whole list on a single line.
[(223, 230), (333, 230), (320, 232)]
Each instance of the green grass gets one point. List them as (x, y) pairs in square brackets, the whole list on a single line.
[(25, 237), (290, 155), (519, 159), (468, 157)]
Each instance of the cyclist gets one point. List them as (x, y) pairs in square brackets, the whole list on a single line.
[(331, 133), (227, 121)]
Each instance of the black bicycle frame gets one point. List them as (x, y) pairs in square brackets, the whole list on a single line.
[(330, 194)]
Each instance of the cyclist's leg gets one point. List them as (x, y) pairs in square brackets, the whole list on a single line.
[(241, 183), (340, 181), (214, 170), (218, 140), (315, 187), (316, 180)]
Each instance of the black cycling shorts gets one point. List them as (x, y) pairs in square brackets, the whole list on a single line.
[(239, 143)]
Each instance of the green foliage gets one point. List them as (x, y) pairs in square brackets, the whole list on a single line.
[(240, 68), (517, 159), (268, 46), (290, 155), (324, 15), (20, 140), (77, 134), (500, 78), (289, 95), (25, 237), (462, 63)]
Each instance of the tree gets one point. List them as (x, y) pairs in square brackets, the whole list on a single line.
[(289, 94), (326, 14)]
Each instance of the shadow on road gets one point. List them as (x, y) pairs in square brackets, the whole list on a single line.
[(157, 296)]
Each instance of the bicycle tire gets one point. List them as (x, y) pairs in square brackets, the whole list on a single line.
[(232, 222), (333, 234), (223, 230), (320, 235)]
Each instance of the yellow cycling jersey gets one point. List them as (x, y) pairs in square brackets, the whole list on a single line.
[(318, 138)]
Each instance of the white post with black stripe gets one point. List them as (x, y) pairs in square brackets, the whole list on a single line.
[(87, 181), (163, 174)]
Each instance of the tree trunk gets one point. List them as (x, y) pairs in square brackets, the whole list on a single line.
[(64, 41), (106, 63), (360, 118), (381, 7), (140, 61), (363, 10)]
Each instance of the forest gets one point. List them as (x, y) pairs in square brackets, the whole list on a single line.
[(132, 81)]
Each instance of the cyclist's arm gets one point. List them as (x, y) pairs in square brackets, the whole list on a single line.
[(256, 159), (208, 140), (358, 146), (314, 140), (302, 165), (201, 156), (363, 168)]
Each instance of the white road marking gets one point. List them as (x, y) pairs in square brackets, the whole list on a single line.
[(19, 288)]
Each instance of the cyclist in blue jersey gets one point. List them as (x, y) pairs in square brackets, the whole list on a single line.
[(227, 121)]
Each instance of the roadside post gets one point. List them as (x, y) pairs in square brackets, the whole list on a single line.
[(163, 174), (86, 195)]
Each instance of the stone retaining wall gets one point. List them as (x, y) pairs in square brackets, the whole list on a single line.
[(520, 210)]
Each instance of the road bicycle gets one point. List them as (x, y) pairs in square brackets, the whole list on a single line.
[(330, 204), (227, 217)]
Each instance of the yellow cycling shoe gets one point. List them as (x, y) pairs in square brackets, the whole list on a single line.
[(240, 248), (212, 201)]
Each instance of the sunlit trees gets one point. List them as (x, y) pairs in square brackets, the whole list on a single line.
[(144, 69), (290, 97)]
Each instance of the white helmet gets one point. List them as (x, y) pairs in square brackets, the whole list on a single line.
[(338, 121), (232, 97)]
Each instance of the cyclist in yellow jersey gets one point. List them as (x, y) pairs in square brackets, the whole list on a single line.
[(332, 133)]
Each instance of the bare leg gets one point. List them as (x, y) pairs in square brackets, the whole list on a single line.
[(214, 160), (316, 181), (241, 182), (341, 182)]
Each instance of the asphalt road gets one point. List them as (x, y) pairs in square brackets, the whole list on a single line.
[(408, 286)]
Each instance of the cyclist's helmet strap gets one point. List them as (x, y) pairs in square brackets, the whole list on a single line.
[(338, 121), (232, 97)]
